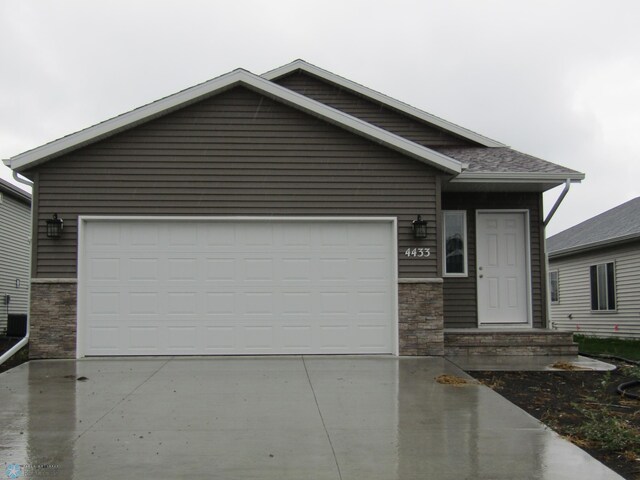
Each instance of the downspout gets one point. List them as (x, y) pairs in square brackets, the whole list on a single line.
[(563, 194), (18, 346), (546, 221)]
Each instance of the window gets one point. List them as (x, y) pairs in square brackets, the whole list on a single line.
[(554, 286), (455, 243), (603, 287)]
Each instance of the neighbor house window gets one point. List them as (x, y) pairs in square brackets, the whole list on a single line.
[(554, 286), (603, 287), (455, 243)]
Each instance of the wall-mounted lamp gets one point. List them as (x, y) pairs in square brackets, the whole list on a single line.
[(419, 228), (54, 226)]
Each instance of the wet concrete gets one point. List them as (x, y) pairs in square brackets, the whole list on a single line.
[(271, 418), (532, 363)]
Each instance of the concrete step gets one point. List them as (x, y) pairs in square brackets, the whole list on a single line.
[(520, 342)]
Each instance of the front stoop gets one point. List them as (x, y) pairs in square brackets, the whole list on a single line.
[(512, 342)]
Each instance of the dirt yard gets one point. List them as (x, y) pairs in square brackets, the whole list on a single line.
[(582, 406)]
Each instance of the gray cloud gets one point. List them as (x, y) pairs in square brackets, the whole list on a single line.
[(537, 75)]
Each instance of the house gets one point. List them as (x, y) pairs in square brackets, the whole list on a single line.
[(15, 252), (289, 213), (594, 274)]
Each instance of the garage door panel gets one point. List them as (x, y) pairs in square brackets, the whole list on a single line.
[(257, 338), (182, 338), (259, 269), (183, 269), (297, 338), (141, 340), (183, 303), (223, 287), (105, 339), (220, 303), (142, 269)]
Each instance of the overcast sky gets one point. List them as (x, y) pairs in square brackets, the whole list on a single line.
[(556, 79)]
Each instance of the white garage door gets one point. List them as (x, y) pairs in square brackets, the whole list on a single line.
[(185, 287)]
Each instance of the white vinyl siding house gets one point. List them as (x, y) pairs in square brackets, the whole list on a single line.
[(15, 227), (574, 310)]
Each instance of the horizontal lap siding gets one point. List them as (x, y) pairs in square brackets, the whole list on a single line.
[(238, 153), (357, 106), (460, 294), (575, 293), (15, 231)]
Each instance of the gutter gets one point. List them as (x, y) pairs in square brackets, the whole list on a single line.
[(19, 179)]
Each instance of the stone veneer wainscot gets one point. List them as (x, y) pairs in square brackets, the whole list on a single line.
[(420, 316), (53, 318)]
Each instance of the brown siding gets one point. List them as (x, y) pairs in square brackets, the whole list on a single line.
[(460, 307), (369, 111), (237, 153)]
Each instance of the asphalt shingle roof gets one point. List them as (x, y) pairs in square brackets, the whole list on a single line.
[(501, 160), (613, 225)]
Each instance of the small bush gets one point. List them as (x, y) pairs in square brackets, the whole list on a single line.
[(603, 428)]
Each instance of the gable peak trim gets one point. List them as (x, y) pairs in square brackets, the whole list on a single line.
[(237, 77), (390, 102)]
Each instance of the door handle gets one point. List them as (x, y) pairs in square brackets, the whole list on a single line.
[(480, 276)]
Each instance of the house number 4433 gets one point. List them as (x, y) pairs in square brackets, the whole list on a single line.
[(417, 252)]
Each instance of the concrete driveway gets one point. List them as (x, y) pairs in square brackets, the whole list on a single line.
[(270, 418)]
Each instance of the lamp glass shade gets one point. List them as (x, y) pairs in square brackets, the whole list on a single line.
[(54, 227), (419, 228)]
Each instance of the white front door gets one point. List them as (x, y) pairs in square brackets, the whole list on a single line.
[(502, 268)]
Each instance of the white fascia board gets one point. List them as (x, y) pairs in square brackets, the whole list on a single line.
[(217, 85), (384, 99), (516, 177)]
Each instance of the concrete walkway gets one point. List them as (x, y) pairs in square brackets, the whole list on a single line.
[(534, 363), (271, 418)]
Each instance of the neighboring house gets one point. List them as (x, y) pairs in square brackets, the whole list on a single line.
[(15, 251), (594, 273), (285, 214)]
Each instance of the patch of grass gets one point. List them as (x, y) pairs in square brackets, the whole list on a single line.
[(620, 347), (603, 428)]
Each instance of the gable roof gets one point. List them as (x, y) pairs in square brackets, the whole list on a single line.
[(381, 98), (238, 77), (14, 191), (493, 166), (620, 224)]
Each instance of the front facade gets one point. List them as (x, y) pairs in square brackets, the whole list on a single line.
[(594, 273), (15, 251), (277, 215)]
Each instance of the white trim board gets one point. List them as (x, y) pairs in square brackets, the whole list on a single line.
[(220, 84), (379, 97)]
